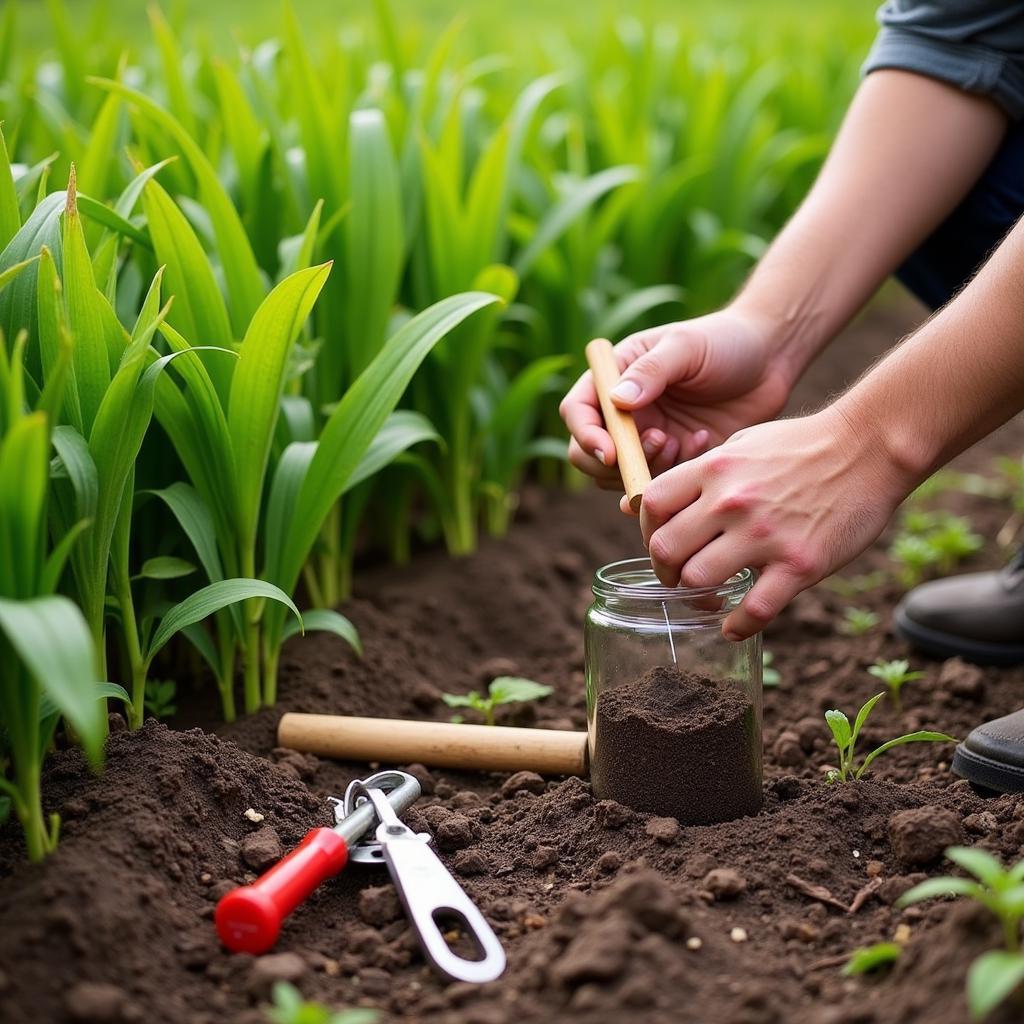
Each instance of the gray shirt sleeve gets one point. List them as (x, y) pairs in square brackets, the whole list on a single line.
[(977, 45)]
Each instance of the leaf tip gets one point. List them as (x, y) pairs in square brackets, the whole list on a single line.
[(72, 200)]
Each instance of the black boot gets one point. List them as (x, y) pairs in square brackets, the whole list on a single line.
[(979, 616), (992, 756)]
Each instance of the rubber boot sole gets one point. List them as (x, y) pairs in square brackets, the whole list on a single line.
[(987, 773), (948, 645)]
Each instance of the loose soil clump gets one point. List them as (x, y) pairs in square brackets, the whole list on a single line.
[(678, 744)]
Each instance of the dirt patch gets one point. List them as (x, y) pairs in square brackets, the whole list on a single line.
[(678, 744), (605, 912)]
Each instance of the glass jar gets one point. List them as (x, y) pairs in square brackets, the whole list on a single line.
[(673, 708)]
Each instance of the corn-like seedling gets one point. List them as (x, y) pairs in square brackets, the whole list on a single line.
[(845, 738), (160, 697), (895, 674), (994, 976), (503, 690)]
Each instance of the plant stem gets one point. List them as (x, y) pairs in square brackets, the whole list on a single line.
[(226, 676), (309, 577), (253, 611), (1011, 933), (270, 663), (136, 665)]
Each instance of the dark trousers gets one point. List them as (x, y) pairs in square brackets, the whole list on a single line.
[(948, 258)]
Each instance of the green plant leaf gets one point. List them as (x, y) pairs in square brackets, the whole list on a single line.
[(839, 724), (325, 620), (210, 599), (991, 979), (980, 863), (258, 382), (402, 429), (881, 954), (923, 736), (52, 639), (862, 716), (165, 567), (459, 700), (514, 690), (195, 520), (934, 888)]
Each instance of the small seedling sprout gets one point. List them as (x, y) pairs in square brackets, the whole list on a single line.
[(953, 540), (769, 676), (871, 958), (995, 975), (290, 1008), (852, 586), (913, 556), (894, 674), (845, 737), (503, 690), (858, 621), (160, 697)]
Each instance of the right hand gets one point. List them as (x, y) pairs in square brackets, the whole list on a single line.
[(689, 385)]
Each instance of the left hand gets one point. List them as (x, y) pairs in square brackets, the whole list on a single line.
[(795, 499)]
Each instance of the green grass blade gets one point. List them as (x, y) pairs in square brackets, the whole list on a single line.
[(210, 599), (10, 213), (325, 620), (258, 382), (402, 429), (77, 461), (23, 489), (245, 284), (196, 523)]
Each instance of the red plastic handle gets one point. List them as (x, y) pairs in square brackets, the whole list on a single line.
[(249, 918)]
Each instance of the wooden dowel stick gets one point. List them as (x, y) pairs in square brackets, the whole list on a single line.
[(629, 453), (436, 744)]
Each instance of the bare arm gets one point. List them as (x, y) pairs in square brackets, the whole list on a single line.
[(800, 498), (909, 150)]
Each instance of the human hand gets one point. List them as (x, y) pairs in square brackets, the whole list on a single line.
[(795, 499), (689, 385)]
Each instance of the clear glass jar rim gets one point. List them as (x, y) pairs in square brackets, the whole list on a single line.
[(607, 585)]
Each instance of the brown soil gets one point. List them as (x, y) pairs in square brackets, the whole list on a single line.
[(678, 744), (605, 912)]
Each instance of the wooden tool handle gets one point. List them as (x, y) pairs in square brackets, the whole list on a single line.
[(628, 451), (491, 748)]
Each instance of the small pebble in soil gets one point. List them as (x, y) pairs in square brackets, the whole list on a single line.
[(664, 830), (962, 680), (544, 857), (738, 934), (470, 862), (379, 905), (920, 835), (982, 821), (609, 862), (422, 775), (801, 931), (94, 1002), (275, 967), (253, 815), (611, 815), (787, 750), (724, 883), (529, 782), (694, 942), (902, 933), (455, 832), (262, 848)]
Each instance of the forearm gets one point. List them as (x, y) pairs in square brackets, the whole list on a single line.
[(955, 380), (909, 150)]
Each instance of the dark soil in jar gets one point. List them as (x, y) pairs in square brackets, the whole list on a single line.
[(678, 744)]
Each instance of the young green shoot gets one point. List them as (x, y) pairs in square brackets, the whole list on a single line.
[(845, 737), (872, 958), (160, 697), (770, 676), (894, 674), (995, 975), (857, 621), (290, 1008), (913, 556), (503, 690)]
